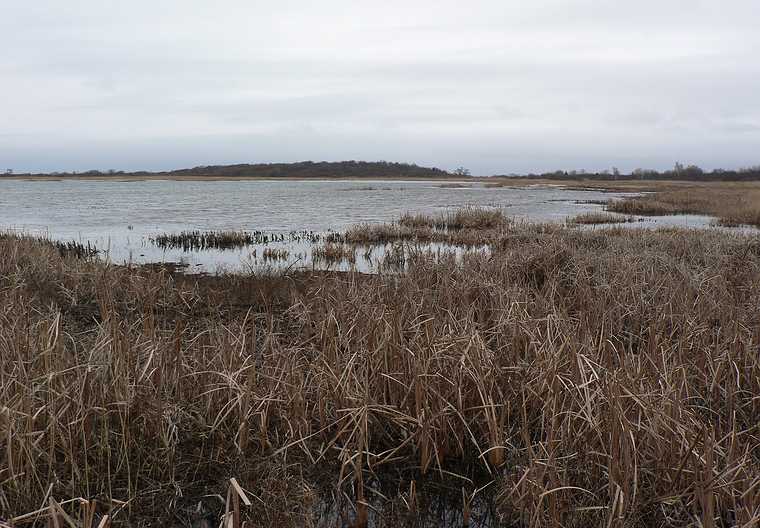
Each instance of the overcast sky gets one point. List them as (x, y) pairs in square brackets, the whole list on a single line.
[(497, 86)]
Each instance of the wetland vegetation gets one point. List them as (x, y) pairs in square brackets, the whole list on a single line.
[(732, 204), (563, 377), (600, 218), (203, 240)]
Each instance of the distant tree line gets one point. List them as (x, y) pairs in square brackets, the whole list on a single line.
[(304, 169), (321, 169), (678, 172), (384, 169)]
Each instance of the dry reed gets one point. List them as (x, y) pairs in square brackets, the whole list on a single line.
[(462, 218), (600, 218), (332, 253), (566, 378), (732, 204)]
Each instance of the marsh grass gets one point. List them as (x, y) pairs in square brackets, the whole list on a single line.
[(275, 254), (334, 253), (76, 249), (565, 378), (600, 218), (202, 240), (366, 188), (732, 204), (468, 226), (224, 240), (651, 206), (462, 218), (455, 186)]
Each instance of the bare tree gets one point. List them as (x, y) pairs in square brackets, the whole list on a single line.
[(461, 171)]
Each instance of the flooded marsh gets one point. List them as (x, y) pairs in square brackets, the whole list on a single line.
[(198, 225)]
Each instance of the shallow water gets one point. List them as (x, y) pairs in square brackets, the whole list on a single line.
[(120, 217)]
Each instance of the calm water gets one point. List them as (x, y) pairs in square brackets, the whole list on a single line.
[(120, 217)]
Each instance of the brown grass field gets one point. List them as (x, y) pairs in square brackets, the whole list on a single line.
[(564, 378), (732, 203)]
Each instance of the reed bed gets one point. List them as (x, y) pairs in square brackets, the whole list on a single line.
[(732, 204), (205, 240), (392, 233), (366, 188), (455, 186), (76, 249), (275, 254), (201, 240), (651, 206), (745, 214), (462, 218), (376, 234), (468, 226), (332, 253), (596, 218), (607, 377)]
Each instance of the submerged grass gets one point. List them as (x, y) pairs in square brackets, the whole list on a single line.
[(275, 254), (206, 240), (332, 253), (606, 377), (455, 186), (201, 240)]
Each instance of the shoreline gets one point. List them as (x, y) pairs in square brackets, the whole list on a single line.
[(172, 177), (580, 184)]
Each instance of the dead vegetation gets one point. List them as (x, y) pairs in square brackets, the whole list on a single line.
[(468, 226), (566, 378), (462, 218), (455, 185), (275, 254), (203, 240), (732, 204), (333, 253), (600, 218)]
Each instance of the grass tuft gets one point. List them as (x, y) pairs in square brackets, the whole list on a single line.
[(600, 218)]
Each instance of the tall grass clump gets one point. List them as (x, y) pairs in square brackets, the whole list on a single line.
[(462, 218), (469, 226), (203, 240), (600, 218), (564, 378), (332, 253)]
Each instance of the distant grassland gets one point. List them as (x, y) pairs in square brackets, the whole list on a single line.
[(565, 377), (732, 203)]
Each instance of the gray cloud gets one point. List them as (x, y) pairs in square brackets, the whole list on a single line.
[(499, 86)]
